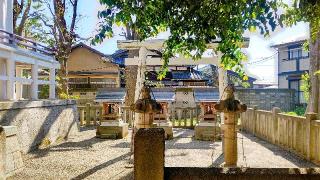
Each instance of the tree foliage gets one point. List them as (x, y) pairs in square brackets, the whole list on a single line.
[(309, 11), (192, 24)]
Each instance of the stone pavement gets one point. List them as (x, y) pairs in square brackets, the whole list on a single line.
[(86, 157)]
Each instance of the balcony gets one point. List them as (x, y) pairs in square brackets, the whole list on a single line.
[(18, 54)]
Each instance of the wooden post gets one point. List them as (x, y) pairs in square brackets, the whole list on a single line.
[(309, 139), (81, 110), (275, 136), (88, 114)]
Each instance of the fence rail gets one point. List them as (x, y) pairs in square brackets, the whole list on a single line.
[(300, 135), (91, 115), (185, 117), (18, 41)]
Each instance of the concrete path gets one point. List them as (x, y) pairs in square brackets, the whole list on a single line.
[(86, 157)]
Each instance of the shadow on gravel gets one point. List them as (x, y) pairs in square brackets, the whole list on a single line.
[(101, 166), (68, 146), (278, 151)]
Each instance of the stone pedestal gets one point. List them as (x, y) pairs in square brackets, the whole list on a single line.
[(207, 131), (149, 147), (2, 153), (112, 130), (167, 126), (11, 157)]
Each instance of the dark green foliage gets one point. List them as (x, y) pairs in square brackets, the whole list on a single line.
[(192, 24)]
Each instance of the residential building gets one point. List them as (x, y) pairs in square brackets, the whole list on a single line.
[(90, 70), (292, 62)]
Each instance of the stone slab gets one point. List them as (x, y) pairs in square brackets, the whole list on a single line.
[(112, 132), (168, 130), (10, 130), (149, 147), (207, 133)]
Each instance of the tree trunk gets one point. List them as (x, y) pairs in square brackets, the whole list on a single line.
[(313, 105)]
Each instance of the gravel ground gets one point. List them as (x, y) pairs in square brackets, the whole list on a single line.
[(87, 157)]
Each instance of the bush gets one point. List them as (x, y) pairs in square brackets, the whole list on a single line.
[(298, 111)]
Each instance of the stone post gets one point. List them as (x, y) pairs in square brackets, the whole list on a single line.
[(275, 134), (230, 139), (309, 139), (2, 153), (149, 147), (254, 119)]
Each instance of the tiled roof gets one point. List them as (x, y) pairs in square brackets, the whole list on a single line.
[(163, 94), (206, 94), (187, 75), (111, 95)]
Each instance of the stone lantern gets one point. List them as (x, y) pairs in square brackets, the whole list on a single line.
[(230, 109), (146, 106)]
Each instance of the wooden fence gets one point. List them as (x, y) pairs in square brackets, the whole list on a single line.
[(91, 115), (300, 135), (185, 117)]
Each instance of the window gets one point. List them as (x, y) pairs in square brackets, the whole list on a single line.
[(294, 53)]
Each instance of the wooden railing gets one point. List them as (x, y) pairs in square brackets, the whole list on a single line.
[(14, 40), (300, 135), (185, 117), (91, 115)]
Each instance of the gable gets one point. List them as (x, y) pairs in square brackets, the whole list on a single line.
[(82, 59)]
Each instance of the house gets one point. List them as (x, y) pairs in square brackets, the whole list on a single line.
[(21, 61), (90, 70), (292, 62)]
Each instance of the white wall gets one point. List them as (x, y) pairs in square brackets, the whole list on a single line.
[(6, 15), (3, 84)]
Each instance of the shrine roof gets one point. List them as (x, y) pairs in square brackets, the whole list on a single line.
[(206, 94), (111, 95), (163, 94)]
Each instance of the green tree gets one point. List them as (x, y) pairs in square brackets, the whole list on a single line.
[(192, 24), (53, 23), (309, 11)]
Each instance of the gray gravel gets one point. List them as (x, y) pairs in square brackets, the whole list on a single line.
[(86, 157)]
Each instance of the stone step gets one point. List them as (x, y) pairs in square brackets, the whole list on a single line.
[(108, 136)]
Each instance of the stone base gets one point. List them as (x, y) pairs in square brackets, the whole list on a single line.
[(167, 126), (112, 132), (12, 155), (207, 131)]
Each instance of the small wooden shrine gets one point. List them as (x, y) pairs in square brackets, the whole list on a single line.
[(209, 127), (164, 96), (112, 126)]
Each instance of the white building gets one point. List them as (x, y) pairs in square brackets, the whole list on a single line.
[(292, 62), (21, 60)]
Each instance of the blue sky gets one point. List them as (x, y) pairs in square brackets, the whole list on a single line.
[(258, 48)]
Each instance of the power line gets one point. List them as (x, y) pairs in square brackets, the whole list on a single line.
[(262, 60)]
